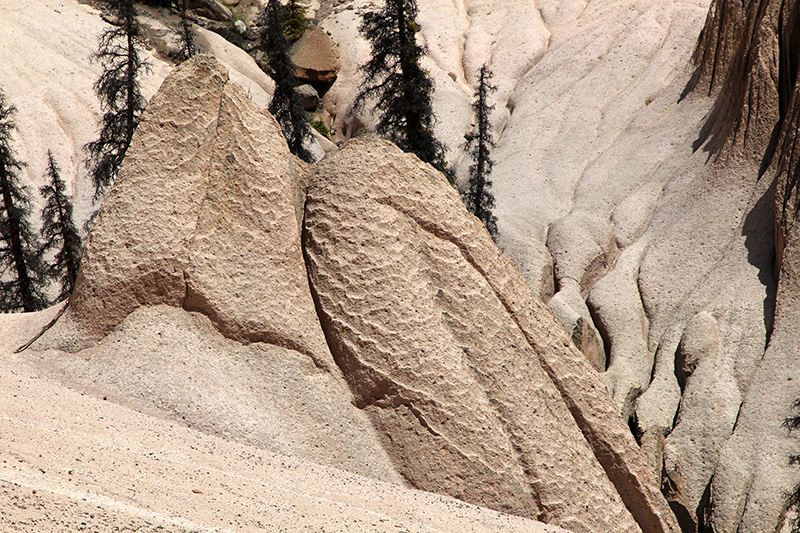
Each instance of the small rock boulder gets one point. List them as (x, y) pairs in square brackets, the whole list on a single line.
[(316, 57), (308, 96)]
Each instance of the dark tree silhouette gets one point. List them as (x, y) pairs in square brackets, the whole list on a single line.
[(119, 93), (285, 104), (58, 230), (402, 89), (21, 278), (296, 20), (477, 198), (185, 33)]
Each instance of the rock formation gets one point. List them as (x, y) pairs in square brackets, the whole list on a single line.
[(425, 315), (197, 249), (682, 293), (316, 57), (648, 199), (193, 277), (755, 122)]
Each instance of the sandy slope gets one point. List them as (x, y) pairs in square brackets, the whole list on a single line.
[(72, 462)]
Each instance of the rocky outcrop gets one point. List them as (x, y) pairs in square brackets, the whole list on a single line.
[(748, 56), (193, 297), (316, 57), (194, 302), (668, 190), (140, 255), (614, 191), (741, 54), (182, 242), (47, 75), (424, 315)]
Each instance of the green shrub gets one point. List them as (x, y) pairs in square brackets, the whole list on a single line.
[(321, 127)]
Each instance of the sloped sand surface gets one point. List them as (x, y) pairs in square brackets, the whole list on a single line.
[(71, 461)]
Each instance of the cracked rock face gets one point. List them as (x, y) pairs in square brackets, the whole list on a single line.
[(426, 317)]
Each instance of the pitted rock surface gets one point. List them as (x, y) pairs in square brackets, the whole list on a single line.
[(245, 266), (138, 249), (206, 221), (203, 217), (425, 317)]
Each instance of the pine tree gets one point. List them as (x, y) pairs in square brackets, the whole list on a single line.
[(185, 33), (403, 90), (285, 104), (477, 198), (58, 230), (296, 20), (119, 93), (21, 279)]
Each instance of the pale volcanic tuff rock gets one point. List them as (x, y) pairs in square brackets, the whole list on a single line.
[(508, 35), (425, 317), (683, 280), (72, 461), (183, 242), (46, 73), (604, 131), (754, 125), (202, 218), (475, 389)]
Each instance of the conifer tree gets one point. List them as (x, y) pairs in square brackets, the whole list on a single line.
[(185, 33), (402, 88), (21, 279), (285, 104), (58, 230), (477, 198), (120, 96), (296, 20)]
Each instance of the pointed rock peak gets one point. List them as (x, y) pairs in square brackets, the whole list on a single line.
[(202, 216)]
